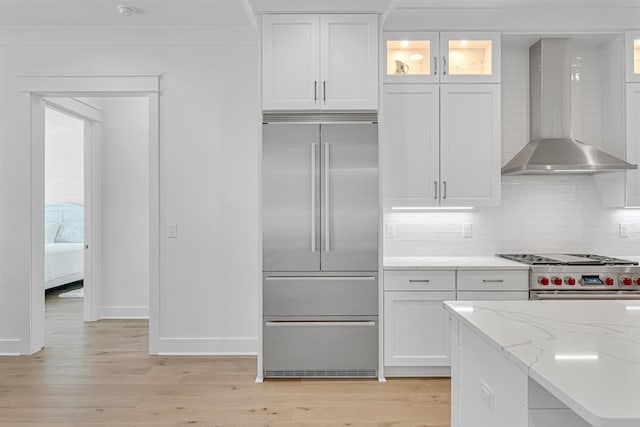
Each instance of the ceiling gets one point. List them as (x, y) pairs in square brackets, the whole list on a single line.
[(104, 13), (235, 12)]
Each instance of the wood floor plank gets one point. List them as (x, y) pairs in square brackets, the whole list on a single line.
[(99, 374)]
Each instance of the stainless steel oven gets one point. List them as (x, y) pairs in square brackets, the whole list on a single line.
[(580, 277)]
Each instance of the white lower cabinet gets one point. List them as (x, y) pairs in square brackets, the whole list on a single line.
[(415, 328), (416, 334)]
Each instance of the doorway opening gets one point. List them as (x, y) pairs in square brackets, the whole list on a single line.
[(81, 90), (64, 245)]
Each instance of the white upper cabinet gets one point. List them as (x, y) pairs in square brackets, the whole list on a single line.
[(470, 57), (312, 62), (470, 145), (426, 57), (632, 47), (441, 145), (411, 149), (633, 145), (290, 62), (411, 57)]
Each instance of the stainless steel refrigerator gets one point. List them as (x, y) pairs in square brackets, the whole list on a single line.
[(320, 250)]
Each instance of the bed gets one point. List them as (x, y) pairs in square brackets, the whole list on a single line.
[(64, 244)]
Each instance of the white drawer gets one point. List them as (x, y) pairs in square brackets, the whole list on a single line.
[(493, 280), (416, 280), (492, 295)]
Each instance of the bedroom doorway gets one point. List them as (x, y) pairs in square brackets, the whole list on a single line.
[(64, 249), (59, 90)]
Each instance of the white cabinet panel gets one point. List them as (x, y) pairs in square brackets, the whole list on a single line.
[(416, 328), (413, 280), (632, 53), (290, 62), (492, 280), (633, 144), (349, 61), (312, 62), (410, 152), (470, 145)]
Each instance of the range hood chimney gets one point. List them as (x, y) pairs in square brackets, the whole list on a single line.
[(552, 150)]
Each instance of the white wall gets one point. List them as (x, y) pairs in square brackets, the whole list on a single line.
[(124, 208), (544, 213), (64, 158), (209, 134)]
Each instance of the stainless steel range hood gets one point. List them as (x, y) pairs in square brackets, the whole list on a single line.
[(552, 150)]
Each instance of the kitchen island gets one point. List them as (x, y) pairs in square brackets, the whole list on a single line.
[(545, 363)]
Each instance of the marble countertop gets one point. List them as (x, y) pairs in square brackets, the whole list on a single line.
[(586, 353), (451, 262)]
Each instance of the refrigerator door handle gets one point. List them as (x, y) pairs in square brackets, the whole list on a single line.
[(327, 240), (313, 196)]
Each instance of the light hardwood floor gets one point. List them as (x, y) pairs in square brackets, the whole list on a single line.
[(99, 374)]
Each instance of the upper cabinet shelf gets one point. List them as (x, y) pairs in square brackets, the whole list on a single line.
[(426, 57), (632, 47), (320, 62)]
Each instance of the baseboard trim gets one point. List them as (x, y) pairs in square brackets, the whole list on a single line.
[(124, 312), (208, 346), (417, 371), (10, 346)]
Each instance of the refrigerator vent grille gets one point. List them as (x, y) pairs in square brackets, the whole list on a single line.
[(324, 373), (320, 117)]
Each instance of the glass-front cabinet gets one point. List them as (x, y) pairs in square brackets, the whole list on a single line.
[(426, 57), (632, 46), (470, 57), (411, 57)]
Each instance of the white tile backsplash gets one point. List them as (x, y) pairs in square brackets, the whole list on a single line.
[(537, 213)]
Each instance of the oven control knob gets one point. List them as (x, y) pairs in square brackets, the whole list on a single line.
[(609, 281), (626, 280), (570, 280), (636, 280), (544, 281), (558, 281)]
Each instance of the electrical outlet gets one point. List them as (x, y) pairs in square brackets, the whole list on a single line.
[(466, 230), (624, 230), (172, 231), (390, 230)]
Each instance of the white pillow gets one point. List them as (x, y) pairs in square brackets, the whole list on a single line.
[(70, 232), (50, 231)]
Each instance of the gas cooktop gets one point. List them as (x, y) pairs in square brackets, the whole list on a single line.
[(566, 259)]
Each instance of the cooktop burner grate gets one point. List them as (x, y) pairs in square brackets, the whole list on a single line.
[(566, 259)]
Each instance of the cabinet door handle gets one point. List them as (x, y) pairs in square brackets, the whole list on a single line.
[(444, 65), (324, 90), (444, 189), (315, 90), (492, 281), (419, 281), (435, 190), (435, 65)]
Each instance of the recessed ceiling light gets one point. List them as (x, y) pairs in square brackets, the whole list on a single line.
[(404, 43), (126, 10)]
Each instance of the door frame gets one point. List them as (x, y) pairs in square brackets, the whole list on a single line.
[(36, 87)]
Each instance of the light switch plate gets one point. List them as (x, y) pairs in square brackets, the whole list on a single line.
[(390, 230), (466, 230), (172, 231), (624, 230)]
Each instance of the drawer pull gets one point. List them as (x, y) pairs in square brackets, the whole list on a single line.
[(492, 281), (418, 281)]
